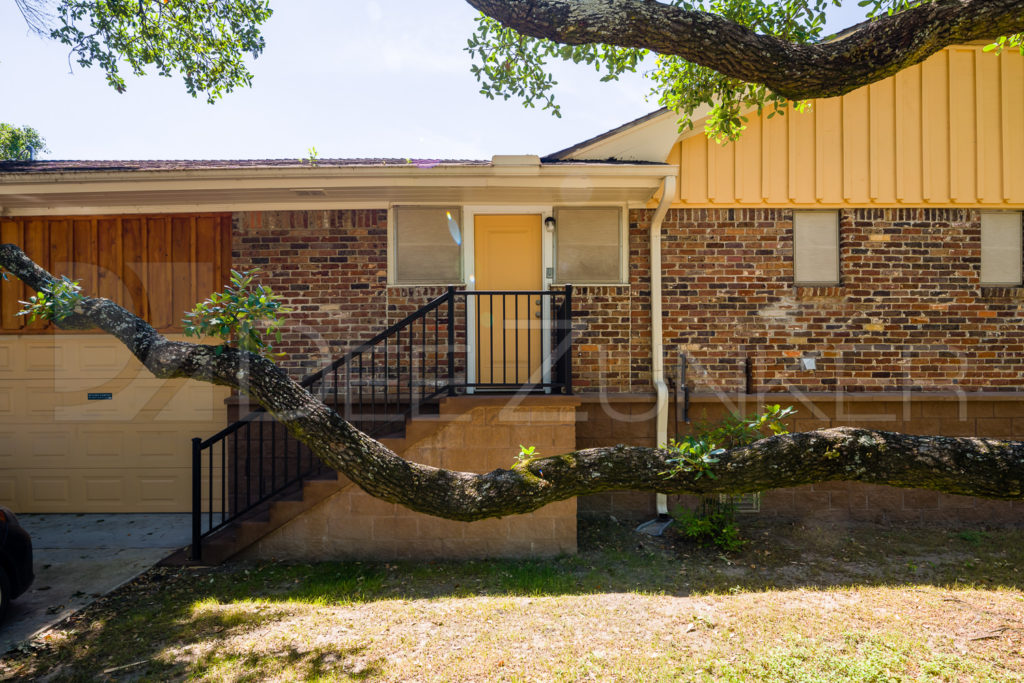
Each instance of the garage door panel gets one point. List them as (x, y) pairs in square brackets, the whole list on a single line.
[(45, 357), (190, 400), (83, 400), (104, 489), (102, 447), (6, 402), (71, 356), (97, 490), (50, 489), (62, 452), (161, 489), (7, 351), (47, 447), (79, 356)]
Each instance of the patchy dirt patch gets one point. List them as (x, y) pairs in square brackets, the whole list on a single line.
[(797, 603)]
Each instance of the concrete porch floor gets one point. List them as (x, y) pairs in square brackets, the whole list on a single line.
[(78, 558)]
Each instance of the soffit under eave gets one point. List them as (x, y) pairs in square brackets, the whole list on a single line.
[(94, 203)]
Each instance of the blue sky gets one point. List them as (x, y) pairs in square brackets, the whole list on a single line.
[(376, 78)]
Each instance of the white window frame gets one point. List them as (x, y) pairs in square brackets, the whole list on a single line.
[(623, 245), (838, 255), (392, 246), (1005, 250)]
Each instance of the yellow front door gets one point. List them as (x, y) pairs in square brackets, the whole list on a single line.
[(508, 258)]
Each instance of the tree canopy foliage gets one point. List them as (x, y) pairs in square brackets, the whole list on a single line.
[(20, 143), (723, 57), (205, 42)]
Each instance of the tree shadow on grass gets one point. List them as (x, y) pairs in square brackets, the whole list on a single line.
[(172, 623)]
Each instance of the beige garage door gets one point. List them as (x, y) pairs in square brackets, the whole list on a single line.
[(85, 428)]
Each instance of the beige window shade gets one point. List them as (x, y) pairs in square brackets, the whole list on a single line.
[(816, 247), (427, 249), (1001, 248), (588, 245)]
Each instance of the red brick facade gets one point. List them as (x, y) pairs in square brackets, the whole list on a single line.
[(908, 317), (331, 269), (909, 313)]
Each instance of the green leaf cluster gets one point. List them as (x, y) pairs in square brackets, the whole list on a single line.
[(697, 453), (713, 524), (876, 8), (56, 302), (205, 42), (20, 143), (246, 315), (509, 65), (526, 453)]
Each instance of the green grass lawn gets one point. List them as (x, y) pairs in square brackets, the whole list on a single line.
[(796, 603)]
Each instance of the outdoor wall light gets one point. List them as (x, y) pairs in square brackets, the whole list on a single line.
[(808, 363), (549, 223)]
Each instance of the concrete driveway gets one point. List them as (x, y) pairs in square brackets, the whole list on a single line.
[(80, 557)]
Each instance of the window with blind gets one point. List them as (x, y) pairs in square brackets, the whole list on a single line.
[(1001, 248), (589, 245), (816, 248), (427, 244)]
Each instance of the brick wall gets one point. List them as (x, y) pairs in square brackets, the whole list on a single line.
[(909, 313), (612, 324), (331, 269)]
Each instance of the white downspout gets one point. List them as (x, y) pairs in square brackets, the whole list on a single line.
[(657, 343)]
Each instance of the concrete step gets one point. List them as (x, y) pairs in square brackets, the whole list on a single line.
[(274, 514), (240, 534)]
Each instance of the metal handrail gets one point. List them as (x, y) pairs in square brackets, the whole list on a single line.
[(379, 384)]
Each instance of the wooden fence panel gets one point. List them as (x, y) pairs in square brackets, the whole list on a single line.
[(155, 266)]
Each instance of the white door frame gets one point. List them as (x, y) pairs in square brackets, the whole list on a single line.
[(469, 214)]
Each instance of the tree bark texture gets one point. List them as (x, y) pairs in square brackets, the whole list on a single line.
[(988, 468), (864, 54)]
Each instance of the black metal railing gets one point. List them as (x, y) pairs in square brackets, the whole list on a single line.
[(517, 340), (461, 342)]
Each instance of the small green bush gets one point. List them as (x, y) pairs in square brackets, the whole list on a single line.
[(712, 524)]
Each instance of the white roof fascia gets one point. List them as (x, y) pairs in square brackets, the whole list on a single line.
[(648, 140), (97, 192)]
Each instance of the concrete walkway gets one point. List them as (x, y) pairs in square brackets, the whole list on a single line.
[(78, 558)]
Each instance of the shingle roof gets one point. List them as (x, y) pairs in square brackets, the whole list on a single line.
[(77, 166)]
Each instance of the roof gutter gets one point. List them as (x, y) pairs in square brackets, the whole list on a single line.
[(657, 342)]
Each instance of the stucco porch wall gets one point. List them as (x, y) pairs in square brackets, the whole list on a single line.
[(353, 525), (612, 420)]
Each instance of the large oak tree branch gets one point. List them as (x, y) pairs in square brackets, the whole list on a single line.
[(868, 53), (979, 467)]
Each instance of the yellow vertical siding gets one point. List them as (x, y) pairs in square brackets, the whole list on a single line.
[(1012, 107), (935, 128), (944, 132), (907, 121)]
